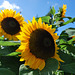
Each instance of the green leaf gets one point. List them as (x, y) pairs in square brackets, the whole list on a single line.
[(58, 23), (57, 19), (61, 44), (51, 65), (67, 17), (4, 71), (70, 48), (11, 63), (14, 54), (59, 72), (67, 58), (69, 21), (64, 36), (69, 68), (24, 70), (60, 9), (44, 19), (62, 41), (7, 50), (36, 72), (70, 41), (7, 43), (1, 38), (52, 11), (70, 32)]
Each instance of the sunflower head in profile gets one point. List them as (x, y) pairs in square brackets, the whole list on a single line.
[(10, 23), (37, 44), (63, 10)]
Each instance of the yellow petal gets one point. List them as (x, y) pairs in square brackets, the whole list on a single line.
[(21, 59), (14, 38), (58, 58), (36, 64), (27, 57), (29, 22), (31, 60), (33, 21), (55, 36), (20, 37), (25, 53), (42, 65), (40, 21), (22, 47), (18, 50)]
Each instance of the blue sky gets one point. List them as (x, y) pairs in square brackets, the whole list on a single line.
[(30, 8)]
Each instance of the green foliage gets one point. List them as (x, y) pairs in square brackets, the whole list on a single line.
[(8, 43), (4, 71), (1, 38), (23, 70), (7, 50), (52, 11), (51, 65), (64, 36), (14, 54), (69, 21), (69, 68), (70, 32), (9, 63), (44, 19), (60, 23)]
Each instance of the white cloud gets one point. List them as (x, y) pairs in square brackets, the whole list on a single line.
[(48, 2), (56, 4), (7, 5)]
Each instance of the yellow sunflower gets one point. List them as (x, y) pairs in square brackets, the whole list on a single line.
[(37, 44), (10, 23), (63, 10)]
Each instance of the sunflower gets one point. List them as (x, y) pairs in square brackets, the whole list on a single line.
[(37, 44), (10, 23), (63, 10)]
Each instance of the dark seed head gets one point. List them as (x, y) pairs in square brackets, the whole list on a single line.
[(41, 44), (10, 25)]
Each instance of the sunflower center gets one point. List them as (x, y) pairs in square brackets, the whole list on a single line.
[(10, 25), (41, 44)]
